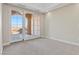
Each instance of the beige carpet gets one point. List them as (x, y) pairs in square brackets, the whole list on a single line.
[(40, 47)]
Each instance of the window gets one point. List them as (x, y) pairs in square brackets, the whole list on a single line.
[(16, 23)]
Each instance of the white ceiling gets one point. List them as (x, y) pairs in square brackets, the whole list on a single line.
[(40, 7)]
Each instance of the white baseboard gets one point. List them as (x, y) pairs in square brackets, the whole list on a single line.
[(53, 38), (64, 41), (29, 38)]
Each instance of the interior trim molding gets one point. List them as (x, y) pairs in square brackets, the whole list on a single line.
[(8, 43), (64, 41)]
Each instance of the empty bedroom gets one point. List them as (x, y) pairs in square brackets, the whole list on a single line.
[(40, 28)]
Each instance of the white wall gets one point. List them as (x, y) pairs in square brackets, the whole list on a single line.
[(0, 28), (5, 24), (42, 21), (63, 23)]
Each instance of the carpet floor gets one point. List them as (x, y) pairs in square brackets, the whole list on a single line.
[(40, 46)]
